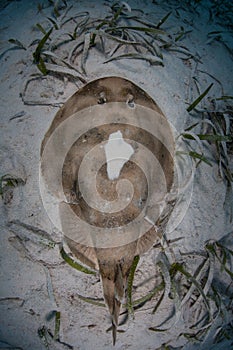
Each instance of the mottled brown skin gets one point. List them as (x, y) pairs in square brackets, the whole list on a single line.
[(113, 263)]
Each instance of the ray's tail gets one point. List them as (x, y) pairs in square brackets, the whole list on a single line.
[(114, 293)]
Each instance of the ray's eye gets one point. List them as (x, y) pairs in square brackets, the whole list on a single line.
[(102, 98), (130, 101)]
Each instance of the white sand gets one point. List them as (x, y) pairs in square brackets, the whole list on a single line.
[(34, 279)]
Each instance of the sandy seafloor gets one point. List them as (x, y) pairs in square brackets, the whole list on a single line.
[(34, 280)]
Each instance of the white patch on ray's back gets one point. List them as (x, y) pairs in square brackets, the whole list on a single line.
[(117, 152)]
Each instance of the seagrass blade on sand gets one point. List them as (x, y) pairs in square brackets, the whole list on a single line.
[(109, 125)]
